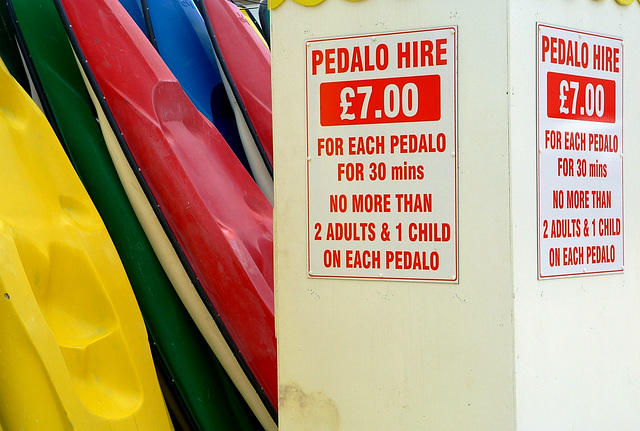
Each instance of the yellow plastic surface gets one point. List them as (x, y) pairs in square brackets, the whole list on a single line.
[(74, 352), (247, 15)]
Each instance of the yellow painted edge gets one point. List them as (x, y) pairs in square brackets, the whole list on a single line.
[(275, 3), (246, 13)]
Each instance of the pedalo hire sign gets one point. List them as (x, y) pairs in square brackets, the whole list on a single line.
[(381, 156), (580, 193)]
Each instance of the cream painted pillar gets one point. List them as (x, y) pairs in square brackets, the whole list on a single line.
[(577, 338), (499, 349)]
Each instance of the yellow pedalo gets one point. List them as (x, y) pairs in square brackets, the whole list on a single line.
[(74, 353)]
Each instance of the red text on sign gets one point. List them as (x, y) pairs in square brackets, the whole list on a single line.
[(350, 171), (371, 203), (557, 50), (420, 260), (601, 253), (331, 146), (355, 59), (609, 226), (366, 145), (423, 143), (422, 53), (362, 259), (434, 232), (606, 58)]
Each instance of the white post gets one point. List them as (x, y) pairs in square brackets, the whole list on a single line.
[(453, 325)]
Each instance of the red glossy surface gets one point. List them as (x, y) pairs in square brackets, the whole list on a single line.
[(221, 220), (249, 62)]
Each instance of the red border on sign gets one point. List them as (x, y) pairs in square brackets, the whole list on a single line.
[(538, 114), (453, 279)]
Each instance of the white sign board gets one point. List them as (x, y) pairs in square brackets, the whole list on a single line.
[(580, 189), (381, 156)]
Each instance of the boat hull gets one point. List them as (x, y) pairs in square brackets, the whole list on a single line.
[(70, 328), (218, 221), (183, 356)]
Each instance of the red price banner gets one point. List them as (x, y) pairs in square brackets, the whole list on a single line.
[(385, 100), (571, 97)]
